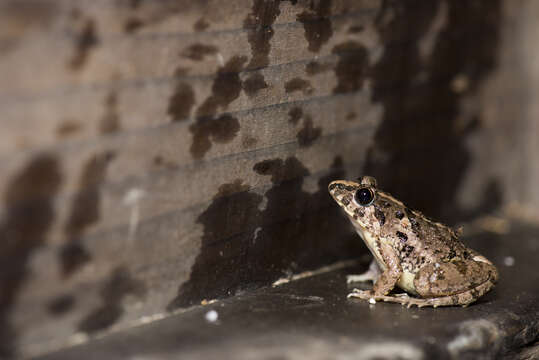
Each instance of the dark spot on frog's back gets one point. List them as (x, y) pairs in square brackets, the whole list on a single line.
[(379, 214), (413, 220), (399, 214), (407, 249), (402, 236)]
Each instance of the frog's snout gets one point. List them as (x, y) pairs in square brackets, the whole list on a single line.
[(333, 186)]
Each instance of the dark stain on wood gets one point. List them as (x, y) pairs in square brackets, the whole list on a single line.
[(19, 18), (86, 40), (158, 160), (68, 128), (315, 67), (132, 25), (84, 212), (181, 102), (356, 29), (29, 213), (110, 122), (351, 68), (222, 129), (226, 87), (61, 305), (317, 24), (308, 133), (249, 247), (248, 142), (298, 84), (254, 83), (116, 288), (197, 52), (259, 26), (295, 115), (421, 144), (201, 25)]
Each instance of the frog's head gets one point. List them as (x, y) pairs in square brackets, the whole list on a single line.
[(361, 201)]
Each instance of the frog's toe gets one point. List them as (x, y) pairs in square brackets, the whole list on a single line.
[(360, 294)]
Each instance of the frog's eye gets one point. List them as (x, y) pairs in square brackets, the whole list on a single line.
[(364, 196)]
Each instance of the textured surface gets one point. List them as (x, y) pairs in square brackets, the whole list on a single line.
[(157, 153), (311, 319)]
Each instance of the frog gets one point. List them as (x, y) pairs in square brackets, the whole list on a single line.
[(424, 258)]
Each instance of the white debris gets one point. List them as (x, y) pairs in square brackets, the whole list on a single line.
[(220, 59), (212, 316), (509, 261), (372, 301), (131, 199)]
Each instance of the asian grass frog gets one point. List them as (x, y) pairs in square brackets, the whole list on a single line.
[(420, 256)]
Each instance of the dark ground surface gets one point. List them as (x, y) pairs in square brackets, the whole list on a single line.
[(312, 319)]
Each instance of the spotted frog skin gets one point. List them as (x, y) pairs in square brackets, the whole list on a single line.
[(420, 256)]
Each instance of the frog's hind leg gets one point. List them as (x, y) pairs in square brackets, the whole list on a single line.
[(446, 284), (464, 298)]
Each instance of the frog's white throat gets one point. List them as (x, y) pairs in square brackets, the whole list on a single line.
[(371, 242)]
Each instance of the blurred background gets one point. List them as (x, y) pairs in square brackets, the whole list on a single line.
[(155, 154)]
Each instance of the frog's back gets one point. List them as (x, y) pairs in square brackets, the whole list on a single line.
[(418, 240)]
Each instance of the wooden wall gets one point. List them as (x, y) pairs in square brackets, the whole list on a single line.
[(157, 153)]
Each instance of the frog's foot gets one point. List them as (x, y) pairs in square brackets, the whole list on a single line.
[(370, 275), (463, 299), (403, 298)]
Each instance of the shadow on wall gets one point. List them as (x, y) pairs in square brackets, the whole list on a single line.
[(244, 246), (419, 152)]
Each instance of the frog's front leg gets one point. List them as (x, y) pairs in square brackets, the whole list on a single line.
[(387, 280), (372, 274)]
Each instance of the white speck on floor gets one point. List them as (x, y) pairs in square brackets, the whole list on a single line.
[(212, 316)]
